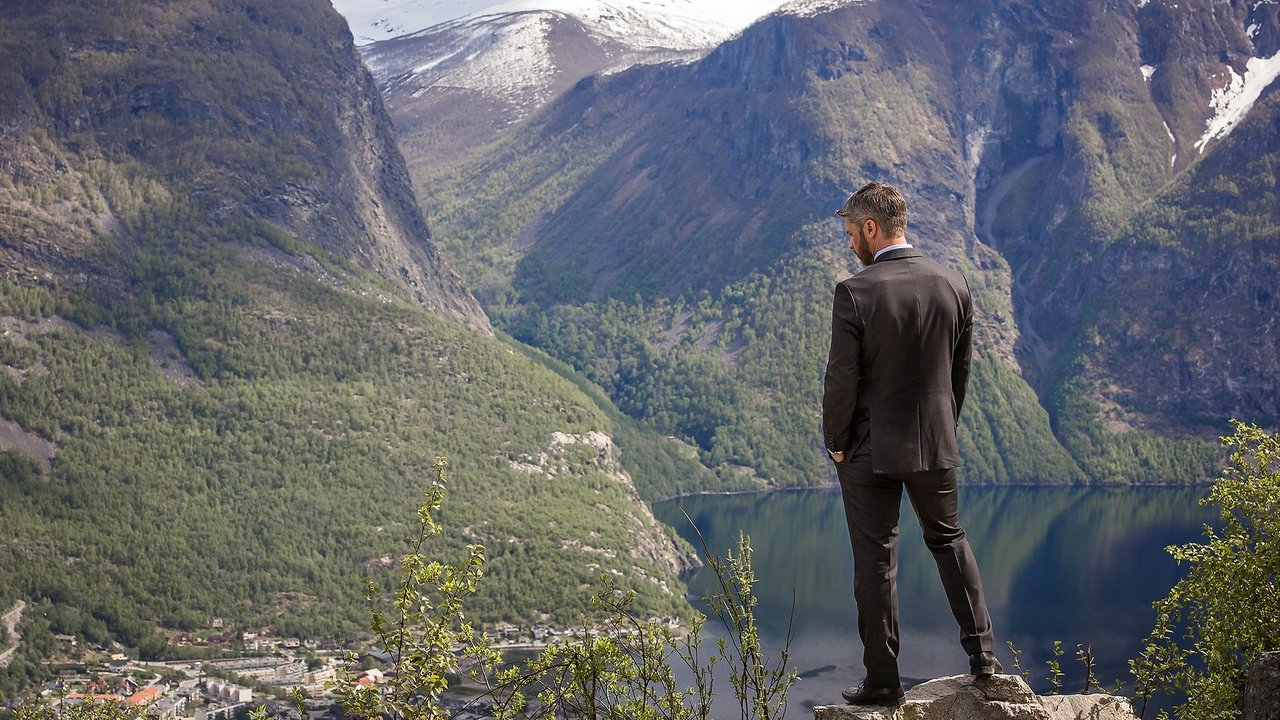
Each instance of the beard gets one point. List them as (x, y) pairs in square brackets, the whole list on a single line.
[(862, 249)]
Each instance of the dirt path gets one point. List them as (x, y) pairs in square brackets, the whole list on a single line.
[(11, 618)]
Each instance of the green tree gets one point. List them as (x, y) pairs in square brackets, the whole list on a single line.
[(619, 666), (1226, 611), (424, 627)]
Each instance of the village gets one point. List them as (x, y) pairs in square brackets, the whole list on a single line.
[(244, 671)]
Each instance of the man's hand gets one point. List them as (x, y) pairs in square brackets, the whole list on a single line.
[(836, 456)]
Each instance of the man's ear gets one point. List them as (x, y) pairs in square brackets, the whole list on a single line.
[(869, 227)]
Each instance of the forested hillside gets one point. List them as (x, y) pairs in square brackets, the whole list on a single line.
[(230, 353), (668, 230)]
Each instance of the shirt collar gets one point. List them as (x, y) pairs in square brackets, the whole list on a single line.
[(899, 246)]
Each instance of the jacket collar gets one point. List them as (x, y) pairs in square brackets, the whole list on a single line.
[(898, 254)]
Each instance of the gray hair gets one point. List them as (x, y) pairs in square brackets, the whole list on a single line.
[(880, 202)]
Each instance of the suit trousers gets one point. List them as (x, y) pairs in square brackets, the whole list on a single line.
[(871, 504)]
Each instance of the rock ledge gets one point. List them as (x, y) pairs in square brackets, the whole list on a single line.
[(1003, 697)]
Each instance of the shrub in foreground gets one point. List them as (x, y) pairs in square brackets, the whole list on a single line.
[(1226, 611)]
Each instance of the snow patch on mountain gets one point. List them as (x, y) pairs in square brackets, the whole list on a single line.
[(515, 62), (374, 20), (810, 8), (681, 24), (513, 57), (1233, 102)]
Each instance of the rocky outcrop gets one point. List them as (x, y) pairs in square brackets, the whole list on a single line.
[(650, 543), (10, 620), (1261, 697), (1003, 697)]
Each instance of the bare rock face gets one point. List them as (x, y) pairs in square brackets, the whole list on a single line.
[(1261, 697), (1003, 697)]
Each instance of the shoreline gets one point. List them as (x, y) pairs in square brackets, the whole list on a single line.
[(836, 486)]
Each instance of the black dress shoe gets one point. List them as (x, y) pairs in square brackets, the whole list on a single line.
[(863, 695), (984, 664)]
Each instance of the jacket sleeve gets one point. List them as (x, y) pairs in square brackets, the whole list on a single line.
[(840, 386), (962, 357)]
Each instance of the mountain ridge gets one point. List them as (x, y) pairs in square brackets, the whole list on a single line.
[(477, 73), (657, 23), (1025, 135)]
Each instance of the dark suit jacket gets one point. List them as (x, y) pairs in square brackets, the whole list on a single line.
[(901, 345)]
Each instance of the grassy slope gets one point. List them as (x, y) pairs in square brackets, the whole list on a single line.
[(263, 492)]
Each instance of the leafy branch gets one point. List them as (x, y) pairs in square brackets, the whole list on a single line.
[(617, 665), (1226, 611)]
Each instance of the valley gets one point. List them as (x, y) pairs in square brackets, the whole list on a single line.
[(255, 280)]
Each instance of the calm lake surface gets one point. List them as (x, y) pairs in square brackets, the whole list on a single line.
[(1079, 565)]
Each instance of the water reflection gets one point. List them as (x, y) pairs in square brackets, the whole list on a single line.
[(1080, 565)]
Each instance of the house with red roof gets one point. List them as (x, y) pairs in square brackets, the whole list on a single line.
[(144, 696)]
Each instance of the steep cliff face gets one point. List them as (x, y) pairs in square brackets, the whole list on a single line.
[(208, 112), (1149, 98), (1181, 317), (371, 185), (1131, 92)]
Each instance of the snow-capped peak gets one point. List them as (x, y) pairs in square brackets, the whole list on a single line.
[(692, 23), (521, 53), (809, 8), (495, 62)]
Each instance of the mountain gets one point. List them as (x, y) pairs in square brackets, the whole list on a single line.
[(459, 74), (667, 230), (656, 23), (336, 181), (230, 351), (1177, 330)]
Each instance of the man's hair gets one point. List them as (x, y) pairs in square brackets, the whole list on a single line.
[(880, 202)]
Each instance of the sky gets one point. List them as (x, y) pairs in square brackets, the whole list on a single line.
[(373, 20)]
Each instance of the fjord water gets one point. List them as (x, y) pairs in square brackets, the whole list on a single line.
[(1077, 564)]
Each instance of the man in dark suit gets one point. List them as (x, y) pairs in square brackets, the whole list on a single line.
[(901, 332)]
